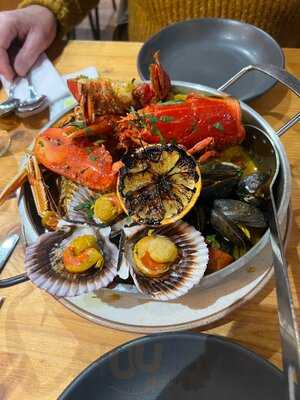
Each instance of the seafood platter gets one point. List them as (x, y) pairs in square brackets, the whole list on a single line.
[(154, 190)]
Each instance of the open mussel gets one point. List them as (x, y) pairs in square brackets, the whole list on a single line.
[(165, 263), (254, 189), (241, 213), (228, 229), (72, 260)]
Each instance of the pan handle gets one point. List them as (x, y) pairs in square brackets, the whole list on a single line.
[(15, 280), (281, 76)]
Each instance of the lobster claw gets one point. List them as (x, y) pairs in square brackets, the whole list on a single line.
[(160, 80)]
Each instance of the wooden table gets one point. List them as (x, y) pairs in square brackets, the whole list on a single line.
[(43, 346)]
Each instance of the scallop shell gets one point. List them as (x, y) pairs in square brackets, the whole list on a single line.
[(73, 196), (43, 263), (182, 275)]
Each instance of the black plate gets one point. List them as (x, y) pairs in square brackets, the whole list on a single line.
[(209, 51), (178, 366)]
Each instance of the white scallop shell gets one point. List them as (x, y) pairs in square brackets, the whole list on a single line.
[(44, 267), (182, 275)]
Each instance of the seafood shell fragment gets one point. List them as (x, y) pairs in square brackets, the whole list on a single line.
[(76, 204), (183, 274), (44, 266)]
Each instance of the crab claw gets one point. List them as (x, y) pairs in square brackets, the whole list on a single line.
[(160, 80)]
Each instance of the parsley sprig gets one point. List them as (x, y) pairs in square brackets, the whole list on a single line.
[(87, 207)]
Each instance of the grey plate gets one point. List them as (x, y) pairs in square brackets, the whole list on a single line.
[(209, 51), (178, 366)]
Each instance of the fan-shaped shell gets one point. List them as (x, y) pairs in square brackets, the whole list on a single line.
[(74, 197), (44, 266), (182, 275)]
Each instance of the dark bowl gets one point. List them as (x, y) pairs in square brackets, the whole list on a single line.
[(209, 51), (178, 366)]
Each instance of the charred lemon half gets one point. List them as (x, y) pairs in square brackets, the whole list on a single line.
[(158, 184)]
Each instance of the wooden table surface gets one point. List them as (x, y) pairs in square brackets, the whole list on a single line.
[(43, 346)]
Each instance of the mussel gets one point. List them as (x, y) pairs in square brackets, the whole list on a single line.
[(219, 170), (228, 229), (240, 212), (219, 179), (220, 189), (253, 189)]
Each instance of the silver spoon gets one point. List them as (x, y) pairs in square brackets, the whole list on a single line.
[(33, 105), (10, 104)]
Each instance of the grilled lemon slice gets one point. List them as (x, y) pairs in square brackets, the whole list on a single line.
[(158, 184)]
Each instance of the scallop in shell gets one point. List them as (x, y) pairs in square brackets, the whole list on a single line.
[(182, 274), (78, 204), (44, 262)]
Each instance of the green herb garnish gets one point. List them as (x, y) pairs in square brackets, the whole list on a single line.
[(78, 124), (142, 121), (219, 126), (87, 207), (212, 241), (170, 102), (166, 118), (89, 150)]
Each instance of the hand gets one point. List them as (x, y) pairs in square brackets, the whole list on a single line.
[(35, 27)]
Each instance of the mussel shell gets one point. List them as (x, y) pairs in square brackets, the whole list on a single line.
[(197, 217), (219, 170), (44, 267), (227, 228), (240, 212), (254, 189), (219, 189), (182, 275)]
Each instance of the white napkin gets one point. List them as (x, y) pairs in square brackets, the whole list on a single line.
[(46, 80)]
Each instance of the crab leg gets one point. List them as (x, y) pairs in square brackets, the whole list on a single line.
[(32, 172), (201, 145), (37, 185), (207, 155), (103, 126), (160, 80), (38, 188), (204, 144)]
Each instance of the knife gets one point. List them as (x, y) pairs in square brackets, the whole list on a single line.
[(6, 248)]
